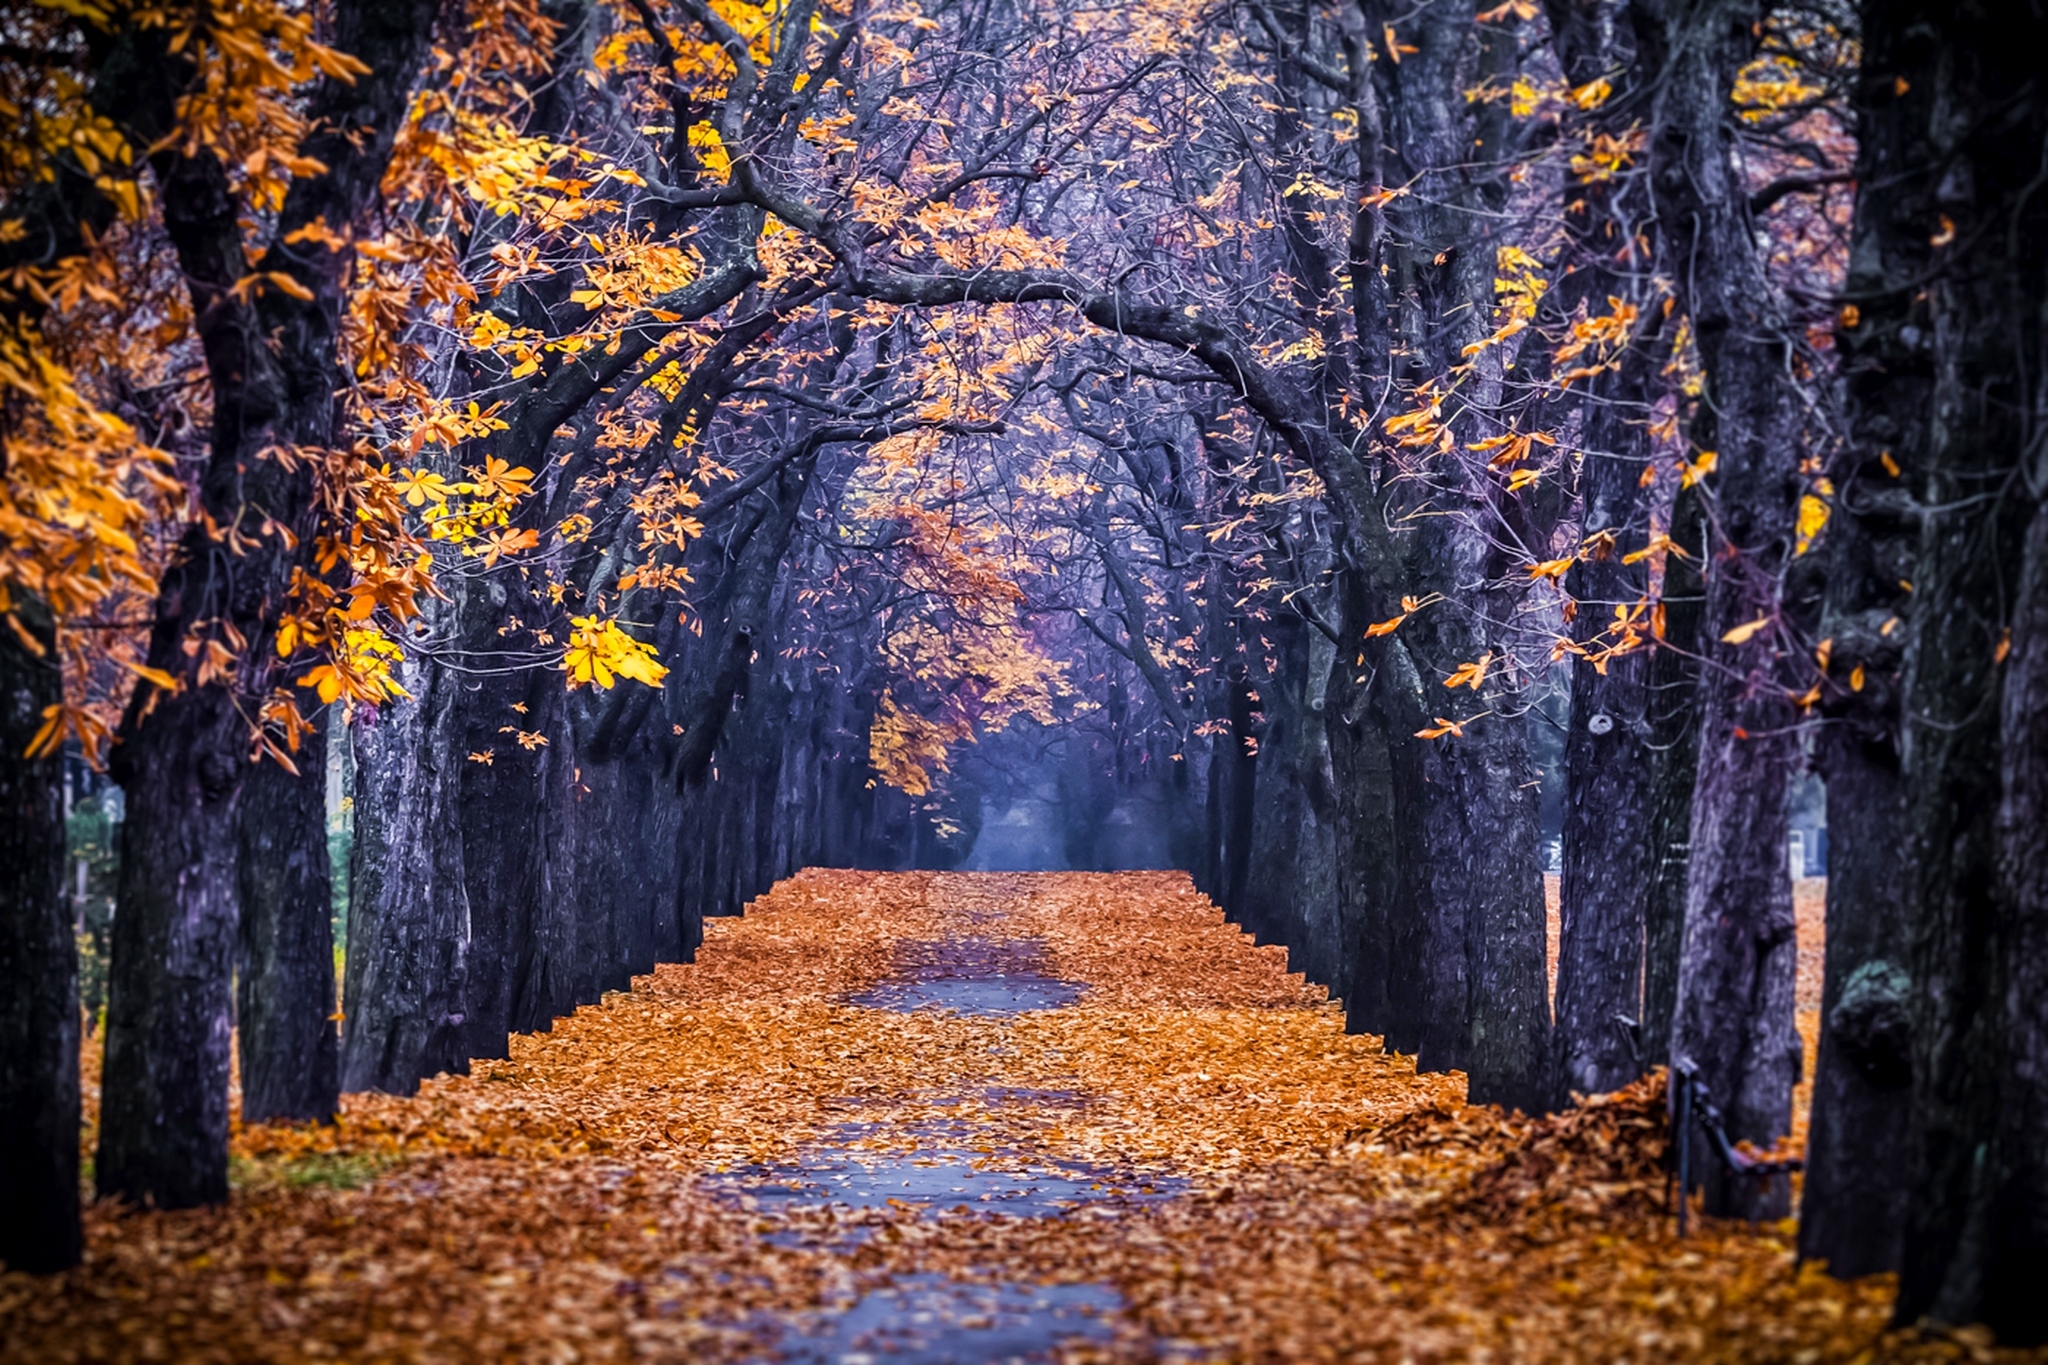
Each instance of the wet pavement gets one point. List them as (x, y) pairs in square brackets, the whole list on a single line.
[(936, 1164)]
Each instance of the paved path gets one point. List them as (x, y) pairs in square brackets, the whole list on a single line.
[(972, 1117)]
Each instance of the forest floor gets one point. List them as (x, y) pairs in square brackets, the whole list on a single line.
[(968, 1117)]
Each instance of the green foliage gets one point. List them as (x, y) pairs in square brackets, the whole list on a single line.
[(91, 862), (328, 1170)]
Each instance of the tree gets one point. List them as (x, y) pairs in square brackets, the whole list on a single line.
[(1733, 1017), (270, 342), (1941, 329)]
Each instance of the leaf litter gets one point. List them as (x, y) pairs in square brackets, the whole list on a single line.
[(1261, 1186)]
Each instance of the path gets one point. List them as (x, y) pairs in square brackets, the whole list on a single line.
[(968, 1117)]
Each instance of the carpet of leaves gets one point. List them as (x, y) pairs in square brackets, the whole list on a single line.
[(554, 1205)]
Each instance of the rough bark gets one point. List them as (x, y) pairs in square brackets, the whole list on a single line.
[(1854, 1208), (182, 756), (1672, 708), (409, 917), (1852, 1211), (1367, 853), (1734, 1014), (39, 1023), (284, 974), (1953, 97), (1471, 882), (2014, 1249), (1290, 898), (1610, 760)]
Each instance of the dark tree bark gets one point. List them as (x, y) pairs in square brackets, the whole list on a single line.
[(1610, 758), (39, 1023), (183, 756), (39, 1016), (1672, 710), (1367, 854), (2012, 1255), (1734, 1014), (1952, 248), (1854, 1208), (409, 918), (284, 1000), (1290, 897)]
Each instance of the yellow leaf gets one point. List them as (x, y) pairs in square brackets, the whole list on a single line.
[(287, 285), (1813, 515), (1472, 674), (1745, 632)]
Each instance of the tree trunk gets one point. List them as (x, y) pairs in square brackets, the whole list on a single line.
[(1604, 889), (1672, 709), (284, 1001), (2015, 1245), (1953, 105), (1854, 1208), (409, 928), (1734, 1015), (271, 359), (39, 1025), (1610, 759), (164, 1107), (1367, 855)]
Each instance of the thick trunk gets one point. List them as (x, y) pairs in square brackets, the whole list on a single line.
[(409, 927), (1734, 1013), (505, 808), (1468, 944), (1943, 361), (1610, 755), (1470, 888), (1291, 897), (1612, 763), (164, 1112), (39, 1023), (1672, 708), (1367, 854), (271, 358), (1853, 1208), (284, 1002), (1604, 890), (1739, 958), (2014, 1250)]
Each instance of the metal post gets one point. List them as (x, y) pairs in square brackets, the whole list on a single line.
[(1683, 1120)]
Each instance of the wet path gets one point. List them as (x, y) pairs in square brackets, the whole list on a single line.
[(980, 1117), (954, 1162)]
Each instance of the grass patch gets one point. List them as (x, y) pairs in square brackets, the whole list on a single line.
[(329, 1170)]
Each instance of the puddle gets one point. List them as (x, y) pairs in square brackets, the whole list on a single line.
[(830, 1195), (936, 1177), (931, 1320), (975, 976), (1012, 995)]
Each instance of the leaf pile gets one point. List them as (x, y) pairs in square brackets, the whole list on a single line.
[(1315, 1199)]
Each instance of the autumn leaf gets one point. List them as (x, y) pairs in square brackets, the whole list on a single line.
[(1744, 633), (1470, 674)]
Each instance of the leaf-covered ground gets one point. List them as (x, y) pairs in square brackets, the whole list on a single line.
[(1189, 1161)]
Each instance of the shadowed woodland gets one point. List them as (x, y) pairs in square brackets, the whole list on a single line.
[(491, 490)]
